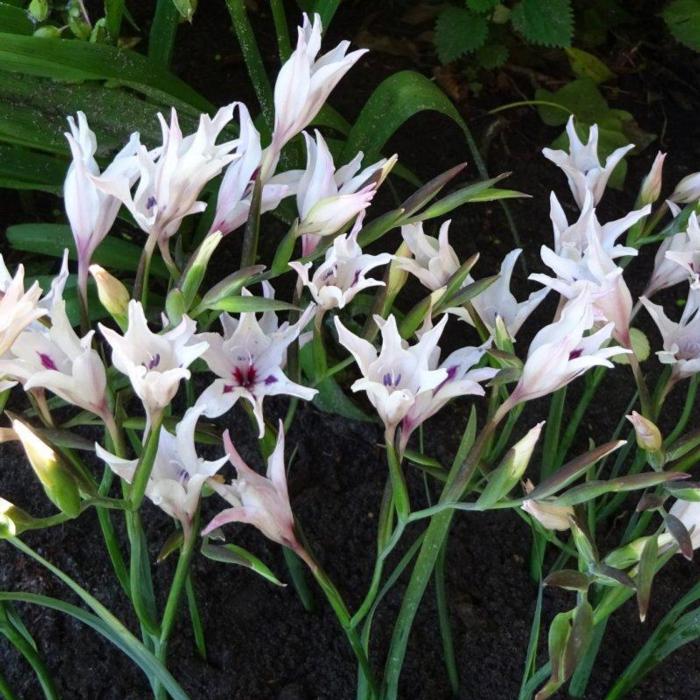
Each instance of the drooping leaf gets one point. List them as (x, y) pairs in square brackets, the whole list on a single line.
[(233, 554)]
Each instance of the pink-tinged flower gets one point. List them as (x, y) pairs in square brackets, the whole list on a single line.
[(687, 190), (403, 382), (434, 260), (178, 475), (327, 199), (677, 259), (571, 240), (260, 501), (55, 358), (303, 85), (236, 191), (91, 212), (562, 351), (497, 301), (650, 189), (688, 512), (248, 359), (18, 308), (172, 176), (342, 275), (582, 166), (155, 363), (681, 341), (549, 515), (597, 275)]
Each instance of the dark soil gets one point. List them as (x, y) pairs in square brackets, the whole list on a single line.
[(261, 643)]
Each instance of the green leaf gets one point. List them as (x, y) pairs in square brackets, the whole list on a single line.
[(186, 8), (683, 20), (392, 103), (80, 60), (492, 56), (233, 554), (240, 304), (581, 98), (645, 577), (53, 239), (544, 22), (23, 169), (457, 32), (482, 5), (586, 65), (15, 20)]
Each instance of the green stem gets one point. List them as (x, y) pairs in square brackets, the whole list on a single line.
[(161, 38), (448, 649), (398, 480), (253, 59), (143, 271), (435, 536), (176, 588), (197, 626), (145, 465)]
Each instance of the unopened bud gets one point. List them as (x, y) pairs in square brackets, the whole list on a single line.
[(651, 185), (13, 520), (648, 435), (113, 295), (549, 515), (687, 190), (58, 483)]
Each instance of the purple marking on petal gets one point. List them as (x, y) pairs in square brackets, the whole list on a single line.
[(46, 361), (575, 353), (151, 202), (228, 388), (386, 379), (153, 362), (355, 278), (451, 373), (271, 379)]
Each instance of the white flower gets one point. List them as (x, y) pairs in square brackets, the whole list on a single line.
[(403, 382), (497, 301), (18, 308), (261, 501), (688, 512), (91, 212), (155, 363), (681, 341), (342, 275), (303, 85), (581, 165), (56, 359), (434, 260), (248, 359), (178, 475), (235, 193), (172, 176), (571, 240), (677, 258), (327, 199), (596, 273), (687, 190), (562, 351)]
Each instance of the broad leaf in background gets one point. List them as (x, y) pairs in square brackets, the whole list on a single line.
[(683, 20), (544, 22), (457, 32)]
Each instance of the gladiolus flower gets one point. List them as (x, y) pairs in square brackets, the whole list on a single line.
[(582, 166), (561, 351), (178, 475), (651, 185), (434, 260), (248, 359), (549, 515), (261, 501), (647, 433), (342, 275), (681, 341), (155, 363), (17, 308), (687, 190), (303, 85)]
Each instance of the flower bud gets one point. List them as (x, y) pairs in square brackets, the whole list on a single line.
[(651, 185), (687, 190), (549, 515), (13, 520), (648, 435), (113, 295), (58, 483)]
